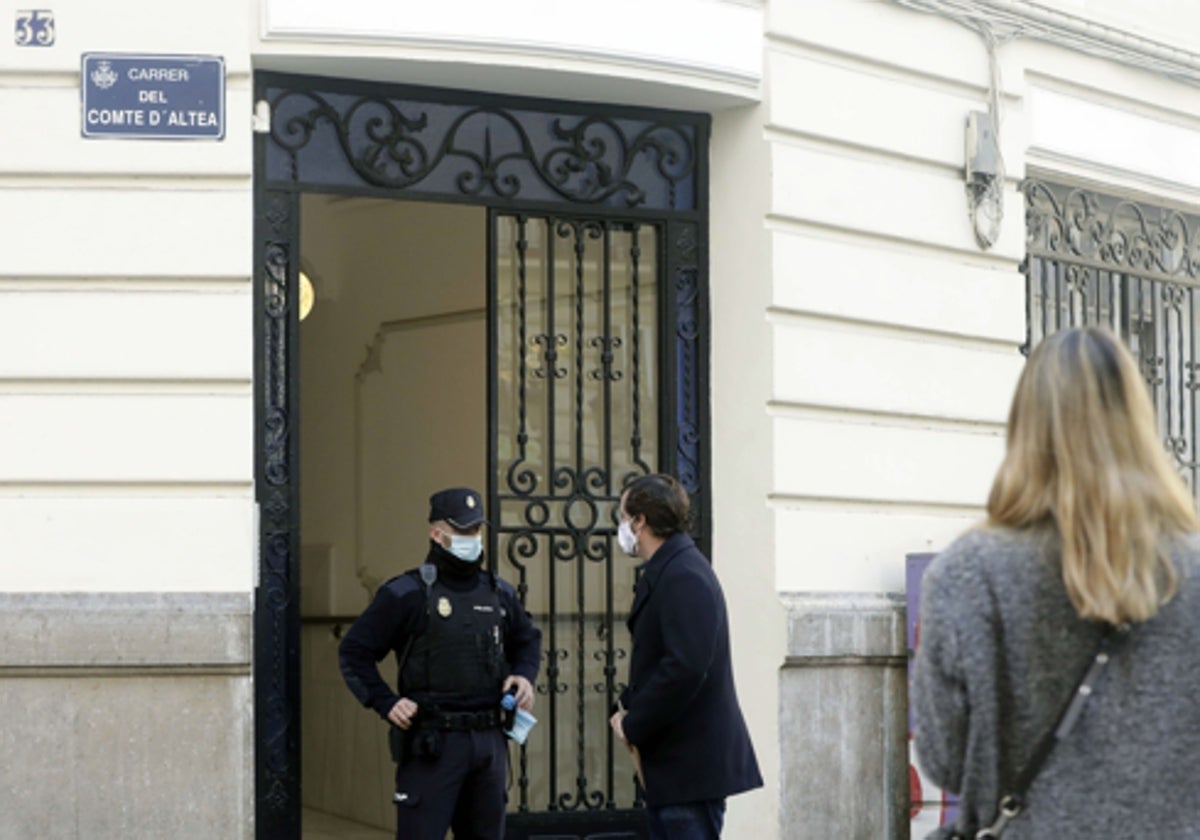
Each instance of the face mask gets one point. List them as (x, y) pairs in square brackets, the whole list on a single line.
[(626, 538), (466, 548)]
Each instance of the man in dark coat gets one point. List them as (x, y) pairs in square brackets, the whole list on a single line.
[(680, 714), (461, 639)]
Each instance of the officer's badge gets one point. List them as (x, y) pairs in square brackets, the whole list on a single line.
[(444, 608), (470, 501)]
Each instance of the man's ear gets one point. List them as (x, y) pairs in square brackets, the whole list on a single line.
[(435, 534)]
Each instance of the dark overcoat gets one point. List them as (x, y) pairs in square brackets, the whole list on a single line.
[(682, 708)]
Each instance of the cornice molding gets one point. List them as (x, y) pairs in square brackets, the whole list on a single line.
[(723, 51), (1010, 19)]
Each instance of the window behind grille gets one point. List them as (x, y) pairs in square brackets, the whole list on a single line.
[(1100, 259)]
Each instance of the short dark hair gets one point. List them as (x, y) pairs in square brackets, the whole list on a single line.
[(662, 500)]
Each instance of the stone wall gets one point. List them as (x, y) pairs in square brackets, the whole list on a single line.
[(125, 715), (843, 712)]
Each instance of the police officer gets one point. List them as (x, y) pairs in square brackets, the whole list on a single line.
[(462, 640)]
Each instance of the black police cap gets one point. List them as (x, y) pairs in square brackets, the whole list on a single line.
[(462, 507)]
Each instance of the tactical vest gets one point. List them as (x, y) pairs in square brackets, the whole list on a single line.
[(460, 656)]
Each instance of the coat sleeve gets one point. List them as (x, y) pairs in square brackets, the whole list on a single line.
[(940, 703), (522, 639), (370, 638), (689, 636)]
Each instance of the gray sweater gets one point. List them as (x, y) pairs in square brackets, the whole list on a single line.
[(999, 652)]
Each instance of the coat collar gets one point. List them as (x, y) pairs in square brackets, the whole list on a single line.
[(653, 569)]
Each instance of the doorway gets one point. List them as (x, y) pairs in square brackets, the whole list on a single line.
[(393, 405), (542, 265)]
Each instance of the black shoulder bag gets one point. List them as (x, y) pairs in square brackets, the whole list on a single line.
[(1012, 803)]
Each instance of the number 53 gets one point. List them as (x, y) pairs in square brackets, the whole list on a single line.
[(35, 28)]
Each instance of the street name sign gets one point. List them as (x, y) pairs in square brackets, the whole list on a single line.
[(153, 96)]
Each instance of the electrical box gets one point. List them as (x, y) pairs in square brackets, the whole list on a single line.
[(983, 150)]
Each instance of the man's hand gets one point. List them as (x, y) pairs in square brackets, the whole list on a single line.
[(524, 691), (616, 722), (403, 712)]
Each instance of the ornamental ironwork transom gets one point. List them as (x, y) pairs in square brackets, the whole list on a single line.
[(515, 151), (1111, 233)]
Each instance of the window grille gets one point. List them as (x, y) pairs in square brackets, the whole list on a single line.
[(1134, 267)]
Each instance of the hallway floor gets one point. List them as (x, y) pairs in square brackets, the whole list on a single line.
[(317, 825)]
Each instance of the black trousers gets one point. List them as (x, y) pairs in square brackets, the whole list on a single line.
[(463, 789)]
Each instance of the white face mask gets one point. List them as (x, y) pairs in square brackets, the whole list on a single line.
[(626, 538), (465, 548)]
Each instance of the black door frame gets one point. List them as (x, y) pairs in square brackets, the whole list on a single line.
[(501, 152)]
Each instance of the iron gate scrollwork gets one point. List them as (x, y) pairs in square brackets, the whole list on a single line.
[(593, 378), (576, 307), (451, 145), (1134, 267), (277, 602)]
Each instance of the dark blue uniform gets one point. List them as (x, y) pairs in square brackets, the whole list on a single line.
[(453, 652)]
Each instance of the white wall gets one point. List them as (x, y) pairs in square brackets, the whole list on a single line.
[(894, 336), (743, 460), (126, 427)]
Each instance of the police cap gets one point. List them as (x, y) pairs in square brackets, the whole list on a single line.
[(462, 507)]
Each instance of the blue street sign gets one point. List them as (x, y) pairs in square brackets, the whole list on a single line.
[(155, 96)]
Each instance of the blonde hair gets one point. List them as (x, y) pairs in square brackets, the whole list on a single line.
[(1084, 454)]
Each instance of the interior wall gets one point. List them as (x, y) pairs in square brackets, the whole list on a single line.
[(393, 406)]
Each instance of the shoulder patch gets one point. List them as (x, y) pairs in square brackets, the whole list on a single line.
[(402, 584)]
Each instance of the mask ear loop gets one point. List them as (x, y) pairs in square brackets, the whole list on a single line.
[(443, 536), (636, 538)]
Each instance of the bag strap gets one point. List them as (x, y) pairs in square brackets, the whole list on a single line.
[(1013, 803)]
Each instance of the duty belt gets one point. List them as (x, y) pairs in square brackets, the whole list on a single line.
[(465, 721)]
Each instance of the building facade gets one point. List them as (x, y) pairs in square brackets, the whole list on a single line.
[(788, 251)]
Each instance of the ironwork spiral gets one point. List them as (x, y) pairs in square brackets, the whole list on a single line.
[(403, 142)]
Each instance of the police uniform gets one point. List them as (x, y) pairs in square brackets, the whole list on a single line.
[(457, 632)]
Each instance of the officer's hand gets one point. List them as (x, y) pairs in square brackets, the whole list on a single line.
[(403, 712), (524, 691)]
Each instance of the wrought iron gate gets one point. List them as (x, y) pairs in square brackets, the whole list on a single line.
[(574, 332), (597, 371), (1134, 267)]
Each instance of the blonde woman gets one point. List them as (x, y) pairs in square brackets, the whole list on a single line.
[(1088, 526)]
